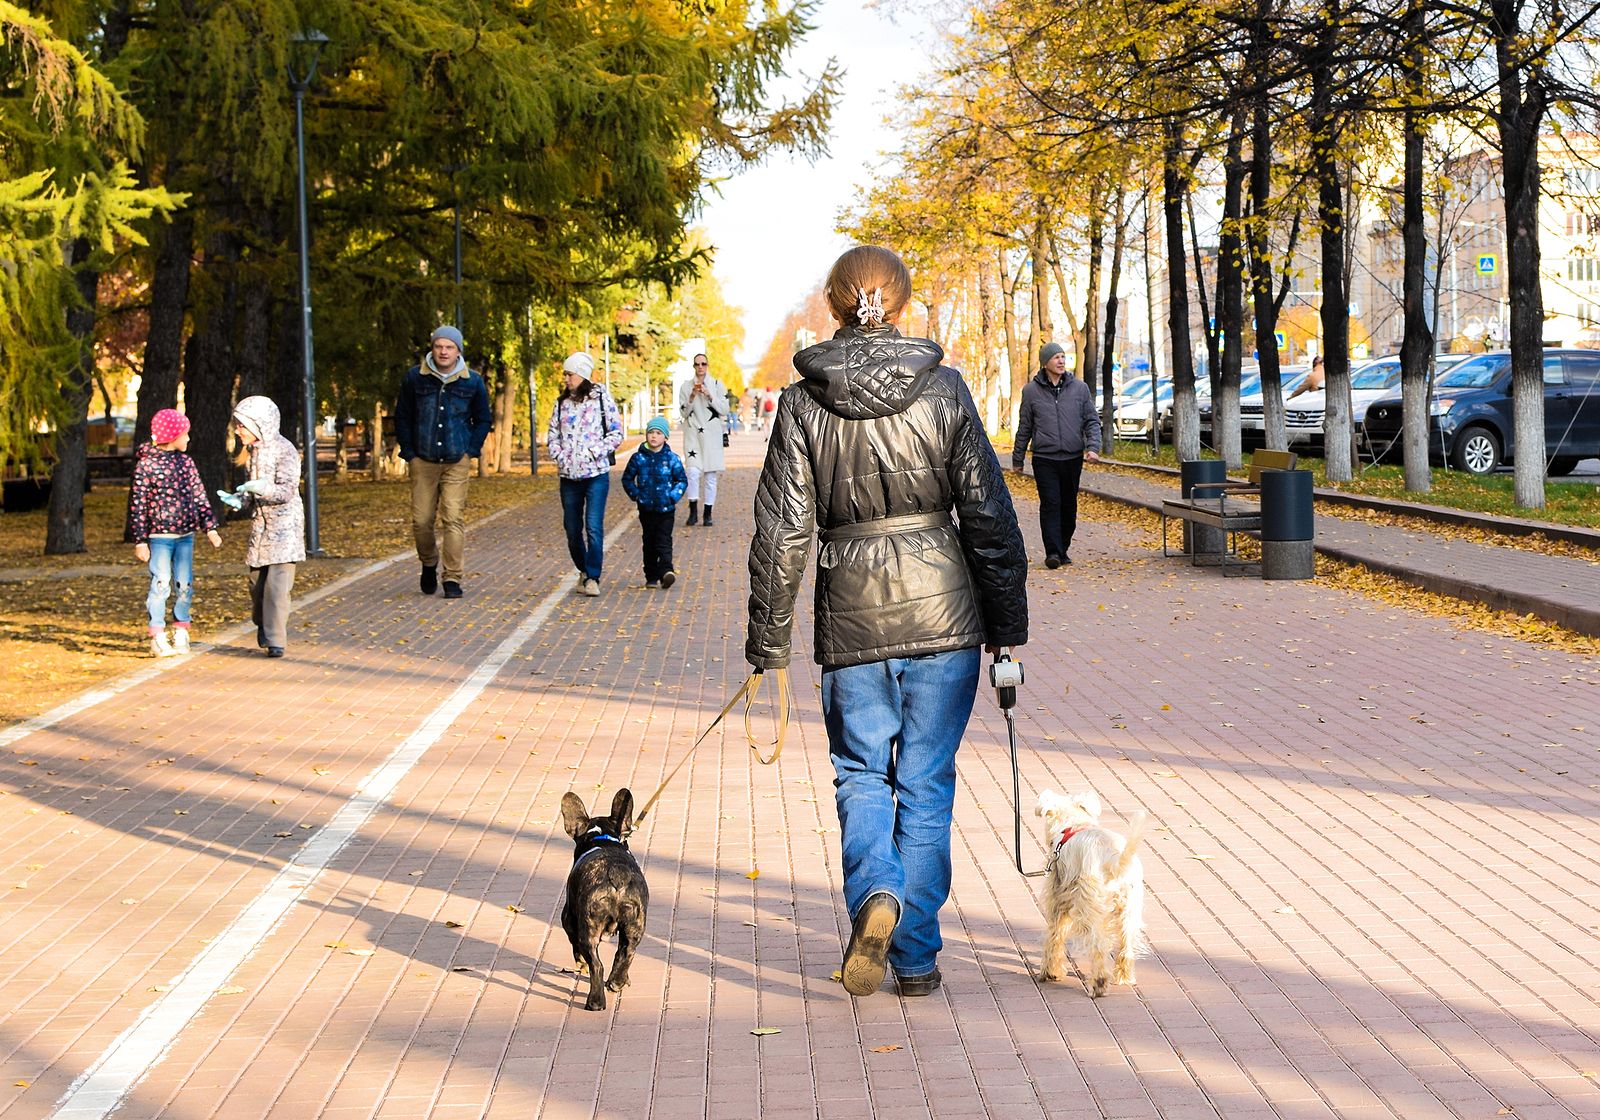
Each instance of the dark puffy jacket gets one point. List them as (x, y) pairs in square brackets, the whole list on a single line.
[(167, 496), (655, 479), (441, 423), (876, 446), (1059, 420)]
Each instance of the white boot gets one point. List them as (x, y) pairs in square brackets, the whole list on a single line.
[(180, 639), (161, 645)]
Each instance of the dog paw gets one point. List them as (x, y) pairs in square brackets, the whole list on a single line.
[(1097, 988), (616, 984), (1049, 976), (595, 1003)]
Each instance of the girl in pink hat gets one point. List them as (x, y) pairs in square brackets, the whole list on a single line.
[(167, 505)]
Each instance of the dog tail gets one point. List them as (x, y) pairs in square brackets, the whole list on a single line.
[(1136, 826)]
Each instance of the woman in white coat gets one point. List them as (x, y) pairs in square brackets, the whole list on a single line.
[(703, 403)]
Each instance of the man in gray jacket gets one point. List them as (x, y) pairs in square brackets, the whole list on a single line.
[(1059, 419)]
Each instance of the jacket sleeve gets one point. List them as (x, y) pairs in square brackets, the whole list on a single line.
[(1024, 429), (285, 480), (610, 420), (405, 416), (139, 504), (479, 418), (552, 433), (680, 481), (990, 537), (197, 494), (1091, 422), (630, 477), (786, 515)]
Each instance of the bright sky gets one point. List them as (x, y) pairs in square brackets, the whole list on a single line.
[(773, 226)]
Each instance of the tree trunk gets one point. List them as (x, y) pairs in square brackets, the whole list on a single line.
[(1416, 345), (505, 419), (69, 476), (1519, 113), (1185, 411), (1208, 319), (1119, 242), (1331, 224), (1073, 325), (988, 368), (1041, 278), (208, 369), (1266, 308), (1089, 360), (169, 299), (1017, 369), (1230, 299)]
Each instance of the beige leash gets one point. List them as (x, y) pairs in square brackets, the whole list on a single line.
[(747, 692)]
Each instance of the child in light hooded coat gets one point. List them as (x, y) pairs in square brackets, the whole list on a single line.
[(277, 520)]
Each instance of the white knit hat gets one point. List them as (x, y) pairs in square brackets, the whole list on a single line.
[(579, 363)]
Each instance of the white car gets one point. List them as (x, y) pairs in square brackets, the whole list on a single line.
[(1133, 408), (1253, 402), (1369, 382)]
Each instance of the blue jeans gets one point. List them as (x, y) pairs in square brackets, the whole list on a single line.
[(583, 513), (171, 566), (893, 729)]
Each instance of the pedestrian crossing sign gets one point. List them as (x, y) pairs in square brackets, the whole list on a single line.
[(1488, 264), (1282, 339)]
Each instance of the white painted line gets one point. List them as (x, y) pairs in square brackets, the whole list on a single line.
[(142, 1046), (117, 685)]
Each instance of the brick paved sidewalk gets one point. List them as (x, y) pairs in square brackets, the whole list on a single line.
[(1372, 870)]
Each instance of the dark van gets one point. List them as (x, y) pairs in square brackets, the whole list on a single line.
[(1470, 421)]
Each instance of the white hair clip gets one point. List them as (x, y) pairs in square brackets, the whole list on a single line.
[(869, 309)]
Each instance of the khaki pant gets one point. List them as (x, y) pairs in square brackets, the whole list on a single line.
[(439, 494), (269, 601)]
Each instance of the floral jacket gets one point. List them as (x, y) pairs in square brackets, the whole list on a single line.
[(584, 435), (655, 479), (167, 497)]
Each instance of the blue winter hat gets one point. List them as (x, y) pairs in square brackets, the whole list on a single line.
[(659, 424), (449, 332)]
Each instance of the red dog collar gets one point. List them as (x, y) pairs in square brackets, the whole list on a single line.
[(1067, 834)]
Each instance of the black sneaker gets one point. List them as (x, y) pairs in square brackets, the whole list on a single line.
[(1052, 561), (261, 638), (866, 958), (923, 985), (452, 589), (274, 651), (430, 579), (668, 579), (1065, 559)]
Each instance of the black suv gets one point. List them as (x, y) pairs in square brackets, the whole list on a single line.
[(1470, 421)]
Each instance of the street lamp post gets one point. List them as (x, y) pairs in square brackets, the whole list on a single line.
[(307, 48)]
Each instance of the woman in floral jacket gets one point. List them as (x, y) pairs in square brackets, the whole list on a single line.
[(277, 521), (585, 432)]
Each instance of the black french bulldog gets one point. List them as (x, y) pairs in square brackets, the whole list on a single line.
[(606, 892)]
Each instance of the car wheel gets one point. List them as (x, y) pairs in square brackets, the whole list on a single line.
[(1477, 451), (1563, 465)]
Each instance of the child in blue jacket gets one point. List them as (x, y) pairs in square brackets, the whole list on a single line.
[(655, 478)]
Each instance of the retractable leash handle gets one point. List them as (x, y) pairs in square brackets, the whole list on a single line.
[(1005, 674)]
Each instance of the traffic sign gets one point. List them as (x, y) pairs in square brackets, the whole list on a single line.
[(1283, 340), (1488, 264)]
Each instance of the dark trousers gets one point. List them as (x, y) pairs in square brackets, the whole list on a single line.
[(656, 529), (1057, 480)]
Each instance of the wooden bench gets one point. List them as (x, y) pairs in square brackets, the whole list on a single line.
[(1225, 505)]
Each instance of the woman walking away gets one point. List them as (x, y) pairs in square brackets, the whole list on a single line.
[(877, 445), (585, 432), (277, 521)]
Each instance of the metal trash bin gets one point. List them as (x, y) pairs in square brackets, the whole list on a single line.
[(1287, 526), (1206, 540)]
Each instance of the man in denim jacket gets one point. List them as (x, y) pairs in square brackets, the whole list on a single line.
[(441, 420)]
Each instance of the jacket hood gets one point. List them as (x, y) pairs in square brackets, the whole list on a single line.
[(862, 374), (259, 414)]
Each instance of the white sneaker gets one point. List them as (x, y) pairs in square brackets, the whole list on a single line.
[(161, 645), (591, 587), (180, 639)]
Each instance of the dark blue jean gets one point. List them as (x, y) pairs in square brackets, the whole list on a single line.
[(171, 569), (583, 513), (893, 729)]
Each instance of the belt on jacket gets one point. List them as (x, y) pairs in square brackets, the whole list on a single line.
[(885, 526)]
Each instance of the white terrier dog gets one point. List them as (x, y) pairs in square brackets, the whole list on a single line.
[(1094, 894)]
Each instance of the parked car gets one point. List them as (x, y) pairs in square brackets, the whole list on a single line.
[(1470, 419), (1252, 402), (1133, 407), (1369, 381), (1202, 396)]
